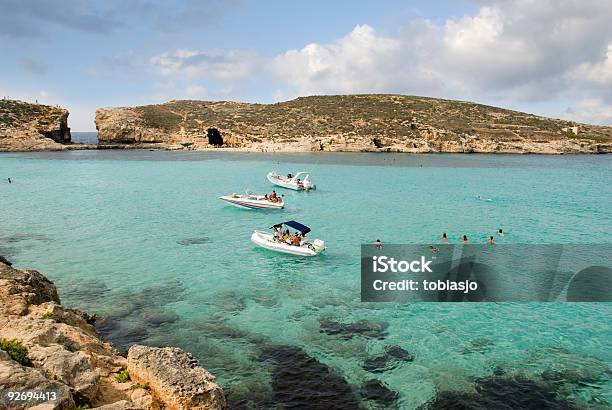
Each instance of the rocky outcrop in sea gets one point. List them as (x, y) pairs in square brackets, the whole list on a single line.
[(48, 349), (32, 127)]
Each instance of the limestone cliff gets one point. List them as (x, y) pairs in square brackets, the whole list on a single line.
[(388, 123), (61, 353), (32, 127)]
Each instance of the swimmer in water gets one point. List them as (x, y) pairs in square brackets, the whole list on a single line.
[(465, 240), (378, 244), (9, 181), (490, 240), (444, 238), (500, 232)]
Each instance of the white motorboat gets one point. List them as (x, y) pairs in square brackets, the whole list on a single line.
[(274, 242), (298, 182), (252, 201)]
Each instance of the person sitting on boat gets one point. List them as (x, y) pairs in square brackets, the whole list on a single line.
[(278, 233), (289, 176), (295, 240), (299, 182), (285, 236)]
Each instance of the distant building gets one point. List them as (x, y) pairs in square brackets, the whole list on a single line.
[(572, 129)]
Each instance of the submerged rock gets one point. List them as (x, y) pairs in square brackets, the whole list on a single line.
[(388, 360), (365, 328), (502, 393), (193, 241), (300, 381), (377, 391), (175, 378), (478, 345)]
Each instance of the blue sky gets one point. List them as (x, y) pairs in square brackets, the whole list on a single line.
[(547, 57)]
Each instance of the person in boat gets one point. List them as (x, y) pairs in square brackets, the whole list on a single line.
[(278, 233), (266, 198), (289, 176), (234, 195), (296, 240), (273, 197), (285, 236)]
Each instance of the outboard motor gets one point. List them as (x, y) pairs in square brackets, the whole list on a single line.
[(318, 245), (307, 183)]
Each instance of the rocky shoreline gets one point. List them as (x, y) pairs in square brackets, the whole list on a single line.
[(46, 347)]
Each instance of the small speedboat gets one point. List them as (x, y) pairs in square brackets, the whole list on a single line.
[(253, 201), (274, 242), (298, 182)]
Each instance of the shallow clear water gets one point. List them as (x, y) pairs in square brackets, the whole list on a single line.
[(141, 237)]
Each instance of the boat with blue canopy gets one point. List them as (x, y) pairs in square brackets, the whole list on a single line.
[(284, 241)]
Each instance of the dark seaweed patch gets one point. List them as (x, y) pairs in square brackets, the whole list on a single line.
[(156, 316), (478, 345), (300, 381), (193, 241), (84, 290), (377, 391), (392, 357), (20, 237), (120, 334), (133, 316), (503, 394), (365, 328)]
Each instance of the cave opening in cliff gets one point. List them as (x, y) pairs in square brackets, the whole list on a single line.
[(214, 137)]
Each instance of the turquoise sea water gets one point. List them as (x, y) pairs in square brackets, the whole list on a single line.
[(140, 237)]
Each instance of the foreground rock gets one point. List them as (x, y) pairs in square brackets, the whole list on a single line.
[(175, 378), (387, 123), (65, 355), (32, 127)]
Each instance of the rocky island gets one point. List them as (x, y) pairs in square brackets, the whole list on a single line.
[(46, 348), (32, 127), (357, 123)]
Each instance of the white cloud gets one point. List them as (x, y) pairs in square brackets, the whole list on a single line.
[(591, 111), (230, 66), (352, 64), (596, 74), (170, 90)]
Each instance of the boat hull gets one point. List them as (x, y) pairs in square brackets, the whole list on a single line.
[(287, 183), (246, 203), (265, 241)]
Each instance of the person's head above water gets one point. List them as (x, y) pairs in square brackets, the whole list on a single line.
[(465, 237)]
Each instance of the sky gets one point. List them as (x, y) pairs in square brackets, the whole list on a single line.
[(548, 57)]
